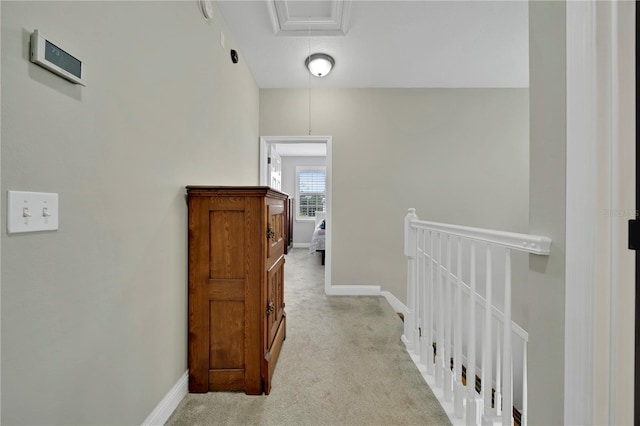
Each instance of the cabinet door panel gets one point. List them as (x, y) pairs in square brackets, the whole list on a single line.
[(227, 245), (275, 300), (226, 338), (276, 229)]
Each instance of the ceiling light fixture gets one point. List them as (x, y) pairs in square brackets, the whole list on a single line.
[(319, 64)]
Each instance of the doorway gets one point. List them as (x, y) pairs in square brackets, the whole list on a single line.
[(266, 143)]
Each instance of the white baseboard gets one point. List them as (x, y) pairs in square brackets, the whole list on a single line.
[(301, 245), (395, 303), (168, 404), (353, 290)]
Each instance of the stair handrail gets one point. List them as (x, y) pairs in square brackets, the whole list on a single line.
[(428, 247), (534, 244)]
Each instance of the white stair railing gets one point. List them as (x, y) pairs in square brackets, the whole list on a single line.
[(452, 311)]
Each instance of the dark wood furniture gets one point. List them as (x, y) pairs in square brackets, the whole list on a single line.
[(237, 321), (288, 241)]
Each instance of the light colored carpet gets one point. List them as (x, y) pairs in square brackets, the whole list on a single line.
[(342, 364)]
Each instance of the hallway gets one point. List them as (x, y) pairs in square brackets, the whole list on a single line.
[(342, 364)]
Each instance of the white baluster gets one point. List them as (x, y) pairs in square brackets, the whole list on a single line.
[(413, 316), (525, 392), (458, 396), (440, 322), (448, 375), (474, 404), (418, 314), (487, 377), (409, 251), (507, 388), (498, 395), (424, 340), (408, 336), (420, 295), (424, 300), (431, 295)]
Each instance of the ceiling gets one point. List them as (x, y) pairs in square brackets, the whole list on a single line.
[(380, 43)]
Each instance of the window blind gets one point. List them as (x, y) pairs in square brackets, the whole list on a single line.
[(311, 192)]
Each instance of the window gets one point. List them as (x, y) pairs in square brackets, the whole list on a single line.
[(310, 191)]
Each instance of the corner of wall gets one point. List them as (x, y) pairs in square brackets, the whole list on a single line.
[(168, 404)]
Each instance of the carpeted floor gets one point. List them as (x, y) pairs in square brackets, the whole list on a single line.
[(342, 364)]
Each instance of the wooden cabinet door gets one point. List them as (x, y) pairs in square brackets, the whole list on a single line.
[(275, 300), (275, 230), (221, 330), (275, 320)]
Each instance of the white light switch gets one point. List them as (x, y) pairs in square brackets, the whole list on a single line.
[(31, 211)]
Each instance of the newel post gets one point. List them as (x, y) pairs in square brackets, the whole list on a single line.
[(410, 251)]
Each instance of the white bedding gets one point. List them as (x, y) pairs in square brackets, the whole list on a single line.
[(317, 239)]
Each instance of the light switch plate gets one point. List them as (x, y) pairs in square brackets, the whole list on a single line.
[(31, 211)]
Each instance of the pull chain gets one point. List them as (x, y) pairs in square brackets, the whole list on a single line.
[(309, 78)]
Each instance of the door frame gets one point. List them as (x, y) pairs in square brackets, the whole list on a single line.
[(265, 141), (581, 213), (599, 310)]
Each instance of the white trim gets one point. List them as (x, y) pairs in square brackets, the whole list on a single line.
[(301, 245), (284, 24), (168, 404), (581, 212), (614, 120), (1, 209), (534, 244), (353, 290), (303, 220), (329, 214), (395, 303), (264, 141)]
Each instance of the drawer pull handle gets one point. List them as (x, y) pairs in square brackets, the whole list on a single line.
[(271, 308)]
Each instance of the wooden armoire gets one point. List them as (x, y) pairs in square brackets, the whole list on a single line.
[(236, 287)]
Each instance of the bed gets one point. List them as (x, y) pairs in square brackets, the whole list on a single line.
[(318, 238)]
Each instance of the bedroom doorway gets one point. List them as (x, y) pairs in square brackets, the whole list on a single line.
[(266, 145)]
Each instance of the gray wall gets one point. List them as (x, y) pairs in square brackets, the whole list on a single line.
[(457, 155), (546, 282), (94, 316), (302, 229)]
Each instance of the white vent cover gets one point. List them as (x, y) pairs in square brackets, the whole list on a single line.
[(317, 18)]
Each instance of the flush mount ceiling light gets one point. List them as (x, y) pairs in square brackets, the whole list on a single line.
[(319, 64)]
